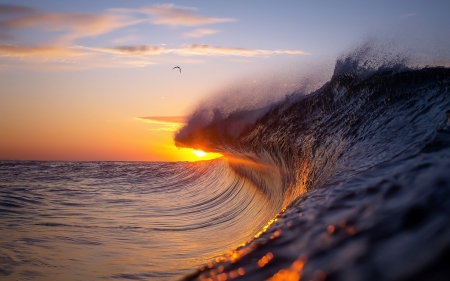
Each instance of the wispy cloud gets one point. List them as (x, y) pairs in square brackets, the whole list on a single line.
[(166, 119), (6, 12), (123, 56), (200, 33), (206, 50), (127, 39), (131, 50), (8, 9), (195, 50), (20, 51), (67, 27), (166, 123), (172, 15), (55, 57), (75, 25)]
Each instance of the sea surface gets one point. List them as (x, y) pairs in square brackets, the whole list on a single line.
[(348, 182), (119, 220)]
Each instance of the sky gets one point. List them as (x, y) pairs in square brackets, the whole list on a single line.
[(94, 80)]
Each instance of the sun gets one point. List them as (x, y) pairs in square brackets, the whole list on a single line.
[(199, 153)]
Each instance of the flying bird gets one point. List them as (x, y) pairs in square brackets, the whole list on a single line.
[(177, 67)]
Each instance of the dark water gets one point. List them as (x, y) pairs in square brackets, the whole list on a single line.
[(350, 182)]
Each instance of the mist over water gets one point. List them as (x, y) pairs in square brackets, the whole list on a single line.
[(246, 100), (240, 103)]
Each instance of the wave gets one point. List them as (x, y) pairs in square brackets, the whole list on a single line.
[(355, 121), (348, 146)]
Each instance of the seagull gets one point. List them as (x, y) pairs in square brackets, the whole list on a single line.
[(177, 67)]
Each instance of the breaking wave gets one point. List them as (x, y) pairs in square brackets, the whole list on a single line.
[(358, 166)]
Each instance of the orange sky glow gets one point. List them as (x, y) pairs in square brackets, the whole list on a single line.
[(77, 79), (137, 139)]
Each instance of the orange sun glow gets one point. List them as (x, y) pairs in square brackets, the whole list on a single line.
[(204, 155), (199, 153)]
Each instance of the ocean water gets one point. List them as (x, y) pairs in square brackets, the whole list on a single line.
[(349, 182), (121, 220)]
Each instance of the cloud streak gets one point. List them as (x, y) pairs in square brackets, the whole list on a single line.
[(200, 33), (78, 25), (8, 10), (75, 25), (167, 123), (206, 50), (172, 15), (67, 27), (124, 56), (166, 119), (196, 50), (14, 51)]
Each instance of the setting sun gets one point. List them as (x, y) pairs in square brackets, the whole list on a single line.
[(198, 153), (205, 155)]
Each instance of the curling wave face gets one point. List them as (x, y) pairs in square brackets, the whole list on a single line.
[(370, 152)]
